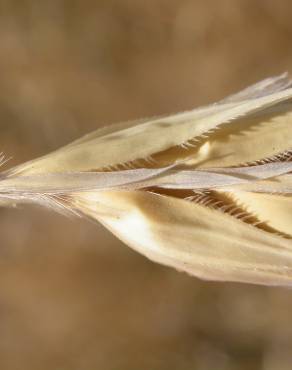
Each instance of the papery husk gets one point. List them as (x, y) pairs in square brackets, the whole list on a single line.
[(134, 144), (275, 210), (278, 185), (172, 177), (247, 140), (190, 237)]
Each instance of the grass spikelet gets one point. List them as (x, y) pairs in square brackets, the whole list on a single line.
[(208, 191)]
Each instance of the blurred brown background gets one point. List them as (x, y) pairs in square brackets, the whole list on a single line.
[(71, 296)]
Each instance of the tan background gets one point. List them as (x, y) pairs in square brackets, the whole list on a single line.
[(71, 296)]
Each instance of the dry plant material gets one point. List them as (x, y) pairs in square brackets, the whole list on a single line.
[(206, 191)]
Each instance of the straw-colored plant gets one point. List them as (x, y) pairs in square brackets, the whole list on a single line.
[(206, 191)]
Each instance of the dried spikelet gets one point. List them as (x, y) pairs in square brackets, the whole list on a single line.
[(207, 191)]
